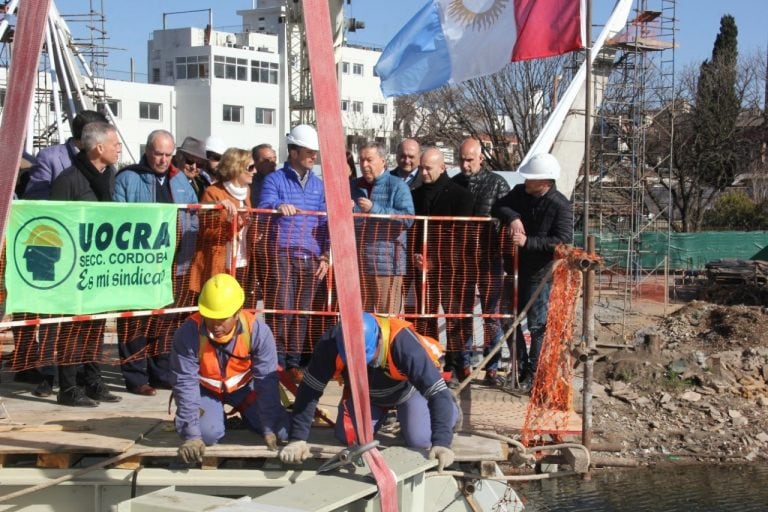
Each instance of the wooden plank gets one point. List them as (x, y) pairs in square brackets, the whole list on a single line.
[(91, 435)]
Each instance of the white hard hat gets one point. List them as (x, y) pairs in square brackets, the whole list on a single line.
[(215, 145), (543, 166), (305, 136)]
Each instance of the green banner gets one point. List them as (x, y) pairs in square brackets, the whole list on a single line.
[(80, 257)]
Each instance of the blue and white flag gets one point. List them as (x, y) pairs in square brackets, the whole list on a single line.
[(449, 41)]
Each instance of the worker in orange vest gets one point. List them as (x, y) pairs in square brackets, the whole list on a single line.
[(404, 374), (223, 356)]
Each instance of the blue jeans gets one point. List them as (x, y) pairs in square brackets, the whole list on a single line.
[(296, 284), (413, 415), (212, 417), (536, 319)]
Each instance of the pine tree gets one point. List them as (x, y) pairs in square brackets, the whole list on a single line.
[(713, 156)]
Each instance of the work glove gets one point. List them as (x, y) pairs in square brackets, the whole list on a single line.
[(192, 450), (443, 455), (270, 439), (295, 452)]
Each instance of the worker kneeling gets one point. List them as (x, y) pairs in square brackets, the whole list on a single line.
[(403, 374), (224, 356)]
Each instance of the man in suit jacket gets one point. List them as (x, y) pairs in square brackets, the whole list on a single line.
[(54, 159)]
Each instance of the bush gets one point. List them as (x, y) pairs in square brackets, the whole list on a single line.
[(735, 211)]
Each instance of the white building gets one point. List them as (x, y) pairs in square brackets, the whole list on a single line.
[(205, 82)]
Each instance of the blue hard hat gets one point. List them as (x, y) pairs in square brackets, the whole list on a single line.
[(371, 332)]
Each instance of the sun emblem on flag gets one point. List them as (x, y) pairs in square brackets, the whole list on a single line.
[(477, 14)]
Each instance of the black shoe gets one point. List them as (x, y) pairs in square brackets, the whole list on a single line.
[(491, 378), (75, 397), (44, 389), (31, 376), (100, 392)]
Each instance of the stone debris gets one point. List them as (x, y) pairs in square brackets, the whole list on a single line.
[(702, 394)]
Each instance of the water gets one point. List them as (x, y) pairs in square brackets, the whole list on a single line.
[(739, 488)]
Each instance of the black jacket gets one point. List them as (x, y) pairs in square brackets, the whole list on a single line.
[(72, 185), (548, 221), (447, 240), (486, 187)]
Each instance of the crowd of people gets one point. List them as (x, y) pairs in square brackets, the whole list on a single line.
[(223, 355)]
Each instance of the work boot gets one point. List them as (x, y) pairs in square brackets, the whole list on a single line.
[(29, 376), (491, 378), (101, 393), (44, 389), (75, 397)]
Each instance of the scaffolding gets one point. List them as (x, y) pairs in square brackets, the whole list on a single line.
[(632, 148)]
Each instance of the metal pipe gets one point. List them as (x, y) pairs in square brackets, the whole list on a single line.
[(588, 341), (464, 383)]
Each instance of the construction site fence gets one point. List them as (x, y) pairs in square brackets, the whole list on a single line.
[(459, 292), (686, 251)]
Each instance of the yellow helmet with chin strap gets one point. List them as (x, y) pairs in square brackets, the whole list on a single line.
[(221, 297)]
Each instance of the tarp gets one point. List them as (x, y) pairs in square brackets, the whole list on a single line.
[(82, 258), (686, 250)]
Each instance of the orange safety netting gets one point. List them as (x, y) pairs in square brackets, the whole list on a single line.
[(454, 294), (551, 402)]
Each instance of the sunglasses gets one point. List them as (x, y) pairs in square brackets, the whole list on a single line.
[(192, 162), (215, 157), (252, 168)]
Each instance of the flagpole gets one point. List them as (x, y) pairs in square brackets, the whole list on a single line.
[(588, 317), (587, 118)]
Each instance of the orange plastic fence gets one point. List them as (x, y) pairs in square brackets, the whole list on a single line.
[(275, 260), (551, 401)]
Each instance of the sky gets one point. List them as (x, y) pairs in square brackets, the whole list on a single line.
[(130, 24)]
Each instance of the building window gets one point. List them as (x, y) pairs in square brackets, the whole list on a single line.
[(155, 75), (151, 111), (194, 66), (114, 107), (344, 105), (345, 68), (265, 115), (357, 69), (169, 68), (233, 113), (380, 108), (230, 68), (357, 107), (264, 72)]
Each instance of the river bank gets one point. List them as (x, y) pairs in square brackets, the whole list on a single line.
[(691, 385)]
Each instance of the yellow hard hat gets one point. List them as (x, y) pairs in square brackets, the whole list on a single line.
[(45, 236), (221, 297)]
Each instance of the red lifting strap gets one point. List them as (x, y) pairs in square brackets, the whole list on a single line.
[(335, 174), (27, 43)]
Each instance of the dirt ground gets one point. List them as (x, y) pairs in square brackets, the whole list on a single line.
[(692, 382)]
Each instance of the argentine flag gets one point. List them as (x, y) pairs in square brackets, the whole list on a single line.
[(449, 41)]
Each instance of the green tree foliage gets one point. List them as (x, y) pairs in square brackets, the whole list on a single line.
[(735, 211), (712, 157)]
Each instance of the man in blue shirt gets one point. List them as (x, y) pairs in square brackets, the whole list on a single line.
[(382, 240), (300, 245)]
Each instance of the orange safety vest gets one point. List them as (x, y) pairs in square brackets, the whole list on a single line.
[(390, 327), (238, 372)]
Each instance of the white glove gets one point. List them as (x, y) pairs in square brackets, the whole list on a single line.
[(443, 455), (270, 439), (192, 450), (294, 452)]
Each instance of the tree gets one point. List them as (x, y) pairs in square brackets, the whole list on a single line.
[(734, 211), (707, 163), (509, 105)]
